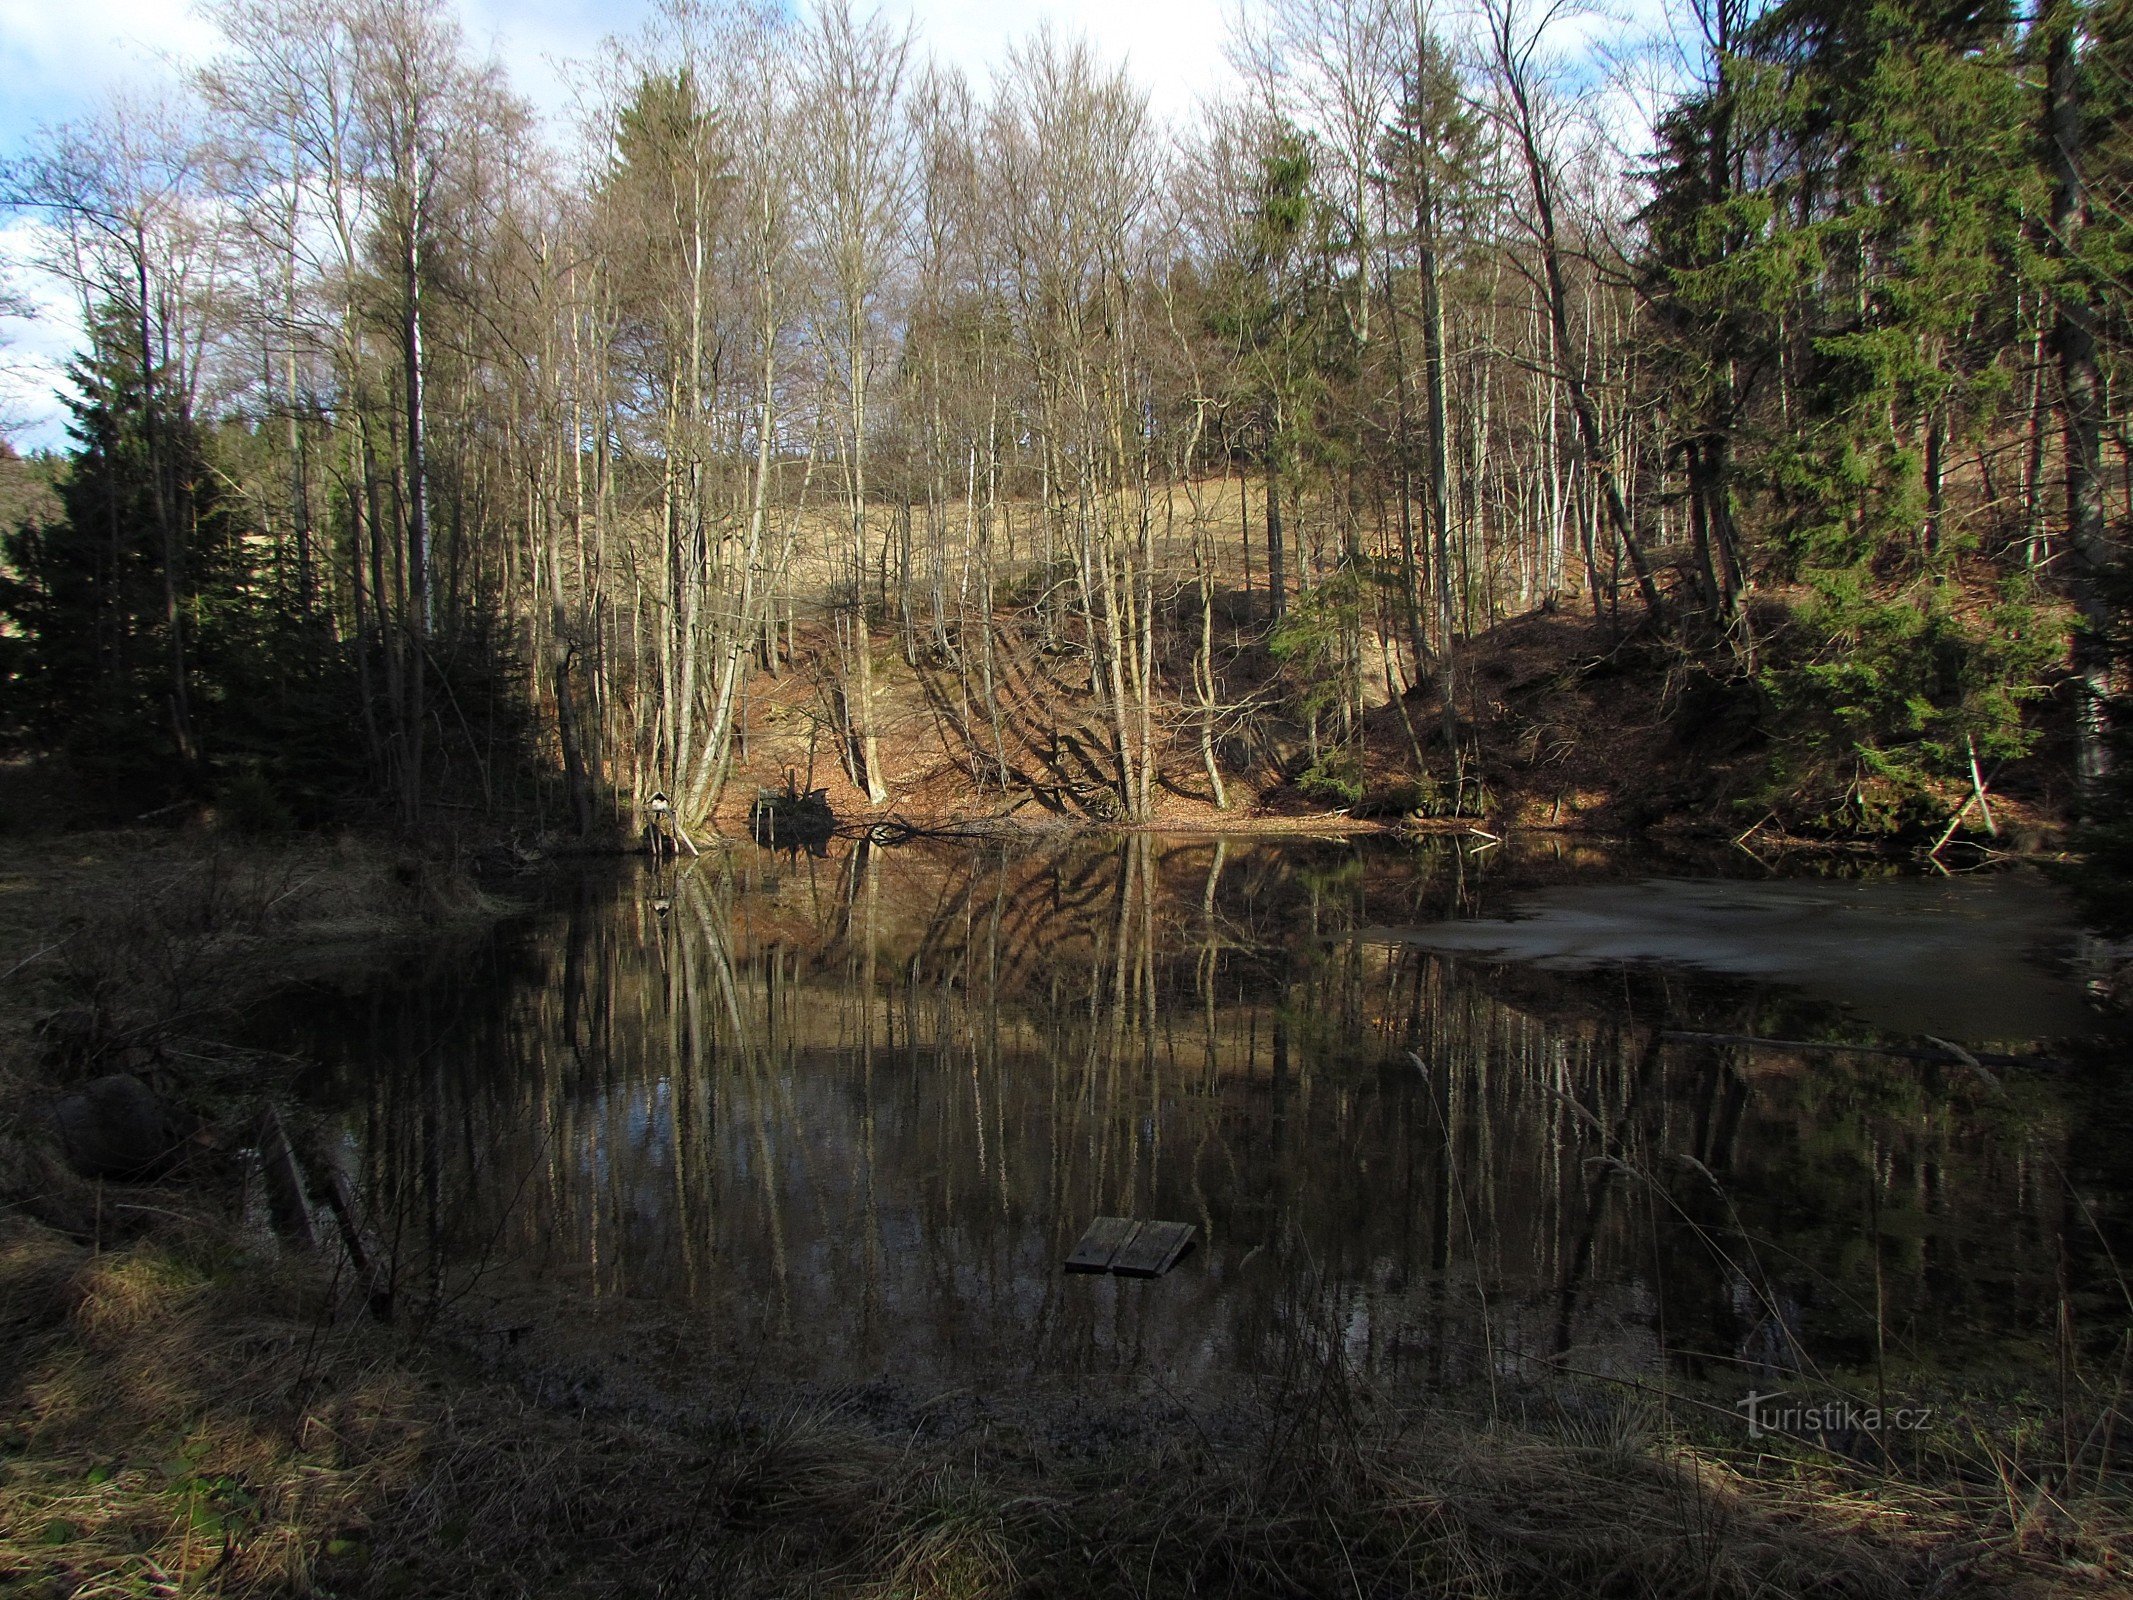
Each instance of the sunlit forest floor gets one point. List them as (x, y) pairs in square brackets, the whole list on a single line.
[(1550, 720), (187, 1409), (1557, 708)]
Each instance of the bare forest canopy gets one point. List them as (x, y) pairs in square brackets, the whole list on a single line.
[(423, 466)]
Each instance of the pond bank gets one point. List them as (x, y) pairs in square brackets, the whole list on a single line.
[(187, 1404), (1548, 720)]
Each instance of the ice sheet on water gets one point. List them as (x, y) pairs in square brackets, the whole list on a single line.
[(1978, 959)]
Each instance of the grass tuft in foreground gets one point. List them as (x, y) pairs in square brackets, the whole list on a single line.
[(189, 1417)]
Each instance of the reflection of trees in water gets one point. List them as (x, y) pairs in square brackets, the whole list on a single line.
[(866, 1103)]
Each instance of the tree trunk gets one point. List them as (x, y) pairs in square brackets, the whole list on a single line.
[(1277, 587), (1542, 183), (2074, 337), (417, 620), (862, 637), (1440, 476)]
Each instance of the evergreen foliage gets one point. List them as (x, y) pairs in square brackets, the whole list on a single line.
[(102, 600), (1846, 241), (1273, 306), (273, 699)]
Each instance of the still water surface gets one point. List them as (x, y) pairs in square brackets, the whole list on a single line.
[(843, 1117)]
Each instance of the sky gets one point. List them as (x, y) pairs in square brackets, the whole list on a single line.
[(57, 60), (61, 60)]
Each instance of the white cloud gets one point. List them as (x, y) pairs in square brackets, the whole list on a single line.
[(34, 349), (538, 42), (60, 60), (1173, 47)]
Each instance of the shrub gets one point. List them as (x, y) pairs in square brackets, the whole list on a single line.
[(250, 805), (1334, 779)]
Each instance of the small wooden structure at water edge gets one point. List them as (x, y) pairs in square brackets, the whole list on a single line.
[(794, 818), (663, 832)]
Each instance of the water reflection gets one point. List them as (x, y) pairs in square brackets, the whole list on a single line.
[(845, 1116)]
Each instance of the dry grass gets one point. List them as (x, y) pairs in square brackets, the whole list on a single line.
[(189, 1413), (158, 1435), (184, 1428), (150, 1356)]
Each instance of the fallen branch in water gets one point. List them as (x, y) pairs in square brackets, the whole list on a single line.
[(1976, 798), (1947, 1055), (895, 830)]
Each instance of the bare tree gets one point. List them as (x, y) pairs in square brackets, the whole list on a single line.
[(759, 93), (1516, 39), (859, 147), (1339, 62), (1074, 184)]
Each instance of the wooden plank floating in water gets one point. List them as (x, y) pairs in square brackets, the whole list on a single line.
[(1106, 1236), (1153, 1250), (1131, 1249)]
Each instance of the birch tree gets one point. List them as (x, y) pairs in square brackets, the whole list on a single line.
[(858, 147)]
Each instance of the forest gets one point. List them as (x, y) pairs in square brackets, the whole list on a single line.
[(671, 770), (978, 444)]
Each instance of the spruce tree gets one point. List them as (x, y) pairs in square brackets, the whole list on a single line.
[(1839, 229), (270, 698), (88, 587)]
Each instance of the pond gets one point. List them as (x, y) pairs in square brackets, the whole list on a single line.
[(839, 1119)]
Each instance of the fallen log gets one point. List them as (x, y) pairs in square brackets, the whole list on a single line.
[(285, 1183), (1946, 1055), (377, 1284)]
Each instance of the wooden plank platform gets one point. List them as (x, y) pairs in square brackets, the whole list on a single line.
[(1131, 1249), (1153, 1250), (1105, 1238)]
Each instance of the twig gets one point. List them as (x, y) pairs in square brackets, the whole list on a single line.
[(36, 956), (1749, 831), (301, 883), (1954, 822), (1976, 798)]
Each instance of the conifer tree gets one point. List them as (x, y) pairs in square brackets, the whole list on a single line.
[(1272, 306), (1838, 228), (89, 586)]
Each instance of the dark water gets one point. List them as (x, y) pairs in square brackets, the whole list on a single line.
[(841, 1118)]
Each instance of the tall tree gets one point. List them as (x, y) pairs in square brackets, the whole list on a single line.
[(135, 229), (1430, 154), (858, 141), (1517, 39)]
